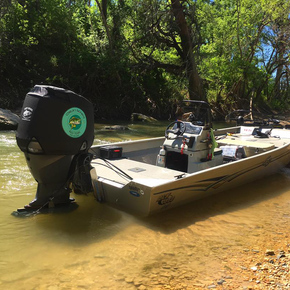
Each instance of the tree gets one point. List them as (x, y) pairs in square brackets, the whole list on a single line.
[(194, 81), (233, 53), (128, 55)]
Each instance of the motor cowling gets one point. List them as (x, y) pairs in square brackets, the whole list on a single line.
[(56, 127)]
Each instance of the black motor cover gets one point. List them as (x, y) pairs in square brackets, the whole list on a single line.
[(61, 121)]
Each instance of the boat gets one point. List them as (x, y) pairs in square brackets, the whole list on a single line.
[(191, 161)]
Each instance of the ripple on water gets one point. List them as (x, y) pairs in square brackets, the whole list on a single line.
[(7, 139), (14, 173), (15, 178)]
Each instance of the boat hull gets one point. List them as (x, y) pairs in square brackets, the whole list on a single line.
[(221, 178), (150, 189)]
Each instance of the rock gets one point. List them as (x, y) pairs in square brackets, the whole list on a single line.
[(220, 282), (140, 117), (280, 256), (255, 251), (269, 253), (137, 282), (8, 120), (116, 128), (169, 253), (166, 275), (129, 280)]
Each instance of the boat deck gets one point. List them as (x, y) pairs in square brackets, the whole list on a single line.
[(122, 170), (248, 143), (251, 141)]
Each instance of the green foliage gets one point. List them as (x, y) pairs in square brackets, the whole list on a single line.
[(129, 55), (236, 36)]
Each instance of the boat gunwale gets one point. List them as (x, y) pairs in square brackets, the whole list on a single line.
[(186, 175)]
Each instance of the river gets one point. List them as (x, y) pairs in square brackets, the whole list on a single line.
[(97, 247)]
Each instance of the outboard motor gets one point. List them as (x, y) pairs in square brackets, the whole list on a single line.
[(55, 132)]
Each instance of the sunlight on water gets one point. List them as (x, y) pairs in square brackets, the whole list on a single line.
[(93, 246), (14, 174)]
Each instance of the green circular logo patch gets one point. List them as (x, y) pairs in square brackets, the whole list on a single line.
[(74, 122)]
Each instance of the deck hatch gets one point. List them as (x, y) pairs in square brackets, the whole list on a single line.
[(137, 169)]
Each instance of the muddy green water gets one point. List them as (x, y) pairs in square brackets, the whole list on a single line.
[(98, 247)]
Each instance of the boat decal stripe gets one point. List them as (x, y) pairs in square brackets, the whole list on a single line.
[(214, 179), (220, 180)]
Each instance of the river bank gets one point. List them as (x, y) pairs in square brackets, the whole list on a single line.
[(9, 118)]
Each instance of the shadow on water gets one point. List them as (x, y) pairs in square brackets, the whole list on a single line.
[(87, 222), (223, 203), (46, 210)]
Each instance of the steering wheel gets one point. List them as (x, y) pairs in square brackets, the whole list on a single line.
[(177, 131)]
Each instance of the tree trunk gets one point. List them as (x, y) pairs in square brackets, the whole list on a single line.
[(103, 13), (279, 72), (104, 8), (195, 88), (104, 20)]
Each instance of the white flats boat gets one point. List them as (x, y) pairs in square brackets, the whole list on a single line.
[(161, 173), (146, 176)]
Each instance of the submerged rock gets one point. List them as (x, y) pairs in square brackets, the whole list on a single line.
[(8, 120)]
